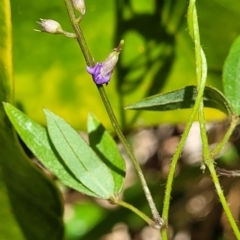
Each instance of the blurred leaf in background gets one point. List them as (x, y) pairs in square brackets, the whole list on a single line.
[(31, 206), (81, 218), (158, 56)]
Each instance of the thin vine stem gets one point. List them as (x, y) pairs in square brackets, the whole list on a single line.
[(216, 151), (201, 73), (79, 34), (90, 62), (210, 164), (166, 205), (123, 140), (133, 209), (201, 79), (223, 201), (176, 157), (167, 197)]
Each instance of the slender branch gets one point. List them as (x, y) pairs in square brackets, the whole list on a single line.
[(121, 137), (201, 72), (90, 62), (79, 34), (210, 164), (173, 165), (216, 151), (192, 30), (135, 210), (68, 34), (223, 201), (228, 173)]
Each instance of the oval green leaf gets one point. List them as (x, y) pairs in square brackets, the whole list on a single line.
[(231, 76), (181, 99), (36, 138), (105, 147), (81, 160)]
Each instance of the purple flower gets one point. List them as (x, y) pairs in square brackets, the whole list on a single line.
[(102, 71), (97, 75)]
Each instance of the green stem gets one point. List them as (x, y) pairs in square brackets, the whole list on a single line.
[(173, 165), (68, 34), (193, 29), (135, 210), (208, 158), (210, 164), (123, 140), (201, 72), (90, 62), (223, 201), (79, 34), (216, 151)]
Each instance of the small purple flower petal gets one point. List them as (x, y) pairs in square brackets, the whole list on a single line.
[(102, 71), (97, 76)]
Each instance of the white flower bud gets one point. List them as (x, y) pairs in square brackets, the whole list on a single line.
[(50, 26), (80, 6)]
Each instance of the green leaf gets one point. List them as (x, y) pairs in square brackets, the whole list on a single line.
[(31, 207), (36, 138), (104, 145), (81, 160), (183, 98), (231, 76), (90, 213)]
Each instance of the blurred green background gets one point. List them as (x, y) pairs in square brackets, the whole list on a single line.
[(158, 56)]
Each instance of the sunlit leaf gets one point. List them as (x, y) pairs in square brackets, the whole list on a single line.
[(36, 138), (104, 145), (183, 98), (81, 160)]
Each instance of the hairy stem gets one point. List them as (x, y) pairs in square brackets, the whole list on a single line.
[(201, 73)]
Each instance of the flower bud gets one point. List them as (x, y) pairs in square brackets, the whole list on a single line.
[(50, 26), (80, 6)]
